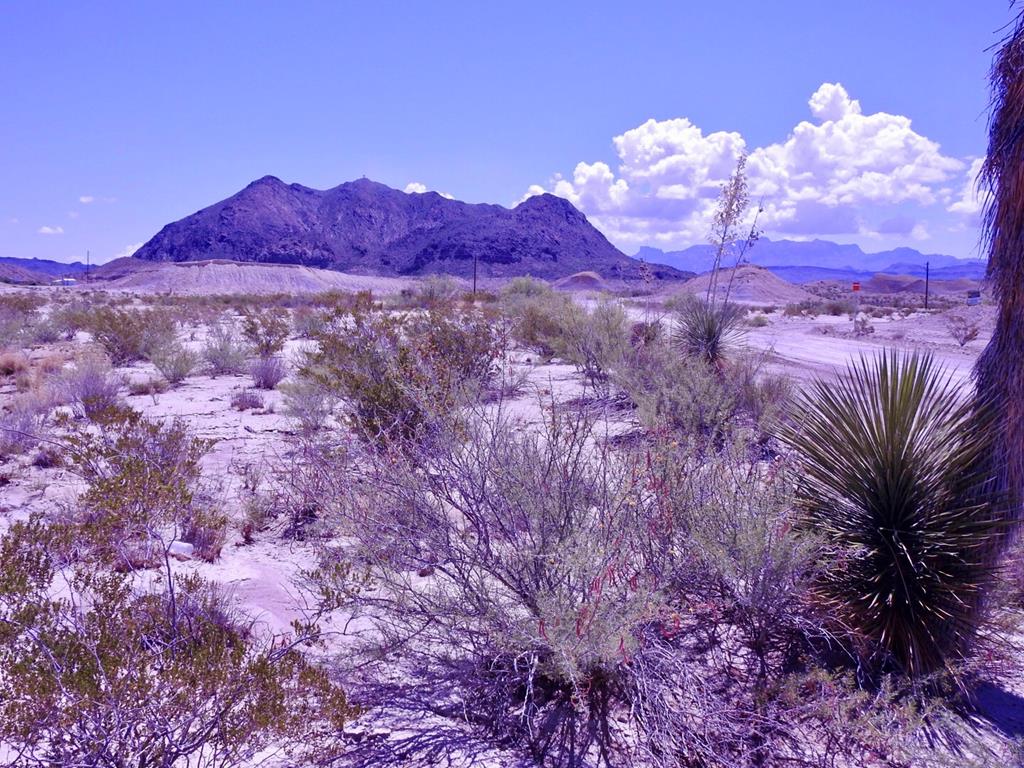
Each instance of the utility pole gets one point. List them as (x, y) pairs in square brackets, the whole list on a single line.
[(87, 264), (927, 281)]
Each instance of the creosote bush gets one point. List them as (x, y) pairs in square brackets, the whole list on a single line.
[(266, 330), (402, 376), (104, 672), (129, 335)]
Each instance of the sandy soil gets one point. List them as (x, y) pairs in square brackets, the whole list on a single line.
[(262, 575)]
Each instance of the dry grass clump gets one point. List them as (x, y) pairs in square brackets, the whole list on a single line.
[(90, 386), (175, 363), (13, 363), (268, 372), (225, 353)]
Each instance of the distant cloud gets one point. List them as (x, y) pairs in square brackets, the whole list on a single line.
[(86, 199), (419, 188), (73, 214), (50, 230), (970, 201), (833, 175), (128, 250), (13, 220)]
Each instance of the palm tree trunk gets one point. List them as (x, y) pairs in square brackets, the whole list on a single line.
[(999, 372)]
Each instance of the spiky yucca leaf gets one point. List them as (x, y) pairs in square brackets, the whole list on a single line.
[(890, 477), (707, 330)]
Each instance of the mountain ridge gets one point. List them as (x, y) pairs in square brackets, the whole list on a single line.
[(807, 260), (364, 227)]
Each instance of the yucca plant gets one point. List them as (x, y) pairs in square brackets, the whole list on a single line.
[(707, 330), (890, 456)]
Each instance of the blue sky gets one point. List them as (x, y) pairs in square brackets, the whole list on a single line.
[(117, 118)]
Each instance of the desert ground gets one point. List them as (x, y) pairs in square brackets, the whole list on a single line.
[(255, 447)]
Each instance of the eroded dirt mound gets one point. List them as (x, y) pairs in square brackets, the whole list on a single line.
[(751, 284), (582, 281), (225, 277)]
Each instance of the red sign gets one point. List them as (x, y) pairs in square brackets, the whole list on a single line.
[(856, 287)]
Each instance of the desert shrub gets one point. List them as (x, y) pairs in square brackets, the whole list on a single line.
[(758, 321), (646, 334), (437, 291), (266, 330), (22, 424), (175, 363), (532, 581), (594, 341), (268, 372), (19, 312), (525, 287), (306, 321), (761, 394), (838, 307), (104, 671), (90, 386), (246, 399), (676, 392), (403, 375), (147, 386), (128, 335), (962, 329), (537, 318), (707, 331), (142, 477), (223, 351), (889, 459), (309, 402), (69, 318), (206, 531), (12, 363)]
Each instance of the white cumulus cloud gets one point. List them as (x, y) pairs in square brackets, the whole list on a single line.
[(46, 230), (970, 201), (419, 188), (128, 250), (86, 199), (843, 172)]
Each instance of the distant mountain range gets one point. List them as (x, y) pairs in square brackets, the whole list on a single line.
[(368, 228), (36, 270), (805, 261)]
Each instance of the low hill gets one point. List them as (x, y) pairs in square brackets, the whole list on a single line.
[(363, 227)]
